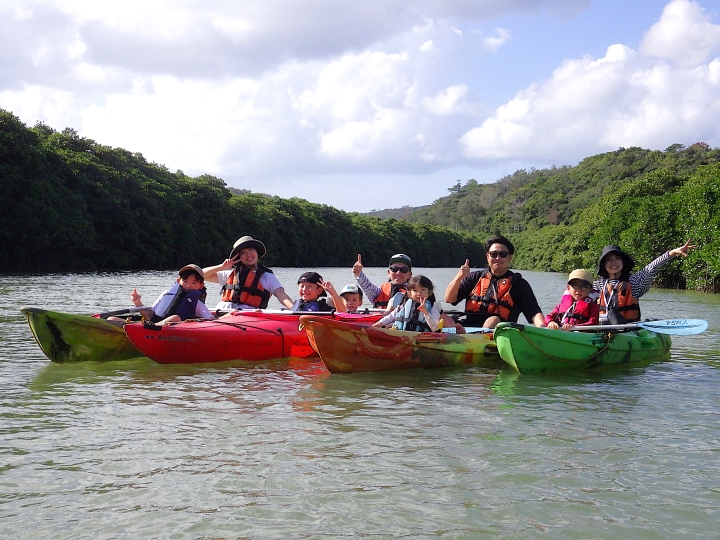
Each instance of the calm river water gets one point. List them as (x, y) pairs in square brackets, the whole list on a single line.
[(139, 450)]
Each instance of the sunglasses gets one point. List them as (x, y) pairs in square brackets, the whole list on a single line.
[(397, 269), (580, 286), (496, 254)]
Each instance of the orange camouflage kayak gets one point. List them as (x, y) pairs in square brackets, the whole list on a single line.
[(345, 347)]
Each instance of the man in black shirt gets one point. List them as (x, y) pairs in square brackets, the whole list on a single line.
[(494, 294)]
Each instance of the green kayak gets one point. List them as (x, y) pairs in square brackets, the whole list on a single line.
[(65, 337), (529, 349)]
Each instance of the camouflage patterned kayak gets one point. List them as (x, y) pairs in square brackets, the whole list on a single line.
[(529, 349), (65, 337), (352, 348)]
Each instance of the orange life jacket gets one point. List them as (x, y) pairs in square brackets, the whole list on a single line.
[(492, 295), (387, 291), (245, 287), (620, 296)]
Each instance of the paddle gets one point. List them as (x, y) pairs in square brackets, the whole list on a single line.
[(468, 330), (107, 314), (681, 327)]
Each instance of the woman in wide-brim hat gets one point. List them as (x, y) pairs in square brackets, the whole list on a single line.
[(620, 290), (247, 283)]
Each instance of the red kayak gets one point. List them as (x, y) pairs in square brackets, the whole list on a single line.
[(248, 335)]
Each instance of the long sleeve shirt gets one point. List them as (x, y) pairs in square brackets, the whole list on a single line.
[(639, 281)]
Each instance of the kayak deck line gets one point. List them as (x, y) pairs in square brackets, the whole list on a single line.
[(530, 349)]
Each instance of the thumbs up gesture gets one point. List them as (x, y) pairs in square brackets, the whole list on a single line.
[(358, 266)]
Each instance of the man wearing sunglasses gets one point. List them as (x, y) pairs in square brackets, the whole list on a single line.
[(494, 294), (399, 273)]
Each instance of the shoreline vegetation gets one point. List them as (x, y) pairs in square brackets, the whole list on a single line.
[(71, 204)]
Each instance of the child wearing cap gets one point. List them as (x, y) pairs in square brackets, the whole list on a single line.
[(352, 297), (184, 300), (399, 272), (576, 308), (311, 289)]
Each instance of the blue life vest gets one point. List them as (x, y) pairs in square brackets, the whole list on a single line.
[(409, 318), (176, 301), (314, 305)]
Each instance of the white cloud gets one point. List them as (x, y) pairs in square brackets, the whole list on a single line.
[(387, 90), (684, 34), (449, 101), (623, 99), (494, 42)]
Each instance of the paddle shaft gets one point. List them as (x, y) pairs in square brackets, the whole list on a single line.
[(107, 314), (664, 326)]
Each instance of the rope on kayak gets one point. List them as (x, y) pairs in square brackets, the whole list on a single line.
[(243, 326), (607, 344)]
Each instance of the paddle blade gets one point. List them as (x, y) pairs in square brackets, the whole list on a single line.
[(680, 327)]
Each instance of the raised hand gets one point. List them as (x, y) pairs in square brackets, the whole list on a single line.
[(465, 268), (229, 263), (358, 266), (682, 250), (327, 286), (135, 298)]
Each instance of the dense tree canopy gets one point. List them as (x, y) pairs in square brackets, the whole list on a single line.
[(69, 203), (560, 218)]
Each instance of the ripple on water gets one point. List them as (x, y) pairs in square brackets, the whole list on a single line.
[(138, 450)]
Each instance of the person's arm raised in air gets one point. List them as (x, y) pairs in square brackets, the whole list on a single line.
[(451, 292)]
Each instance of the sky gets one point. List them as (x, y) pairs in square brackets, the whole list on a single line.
[(365, 105)]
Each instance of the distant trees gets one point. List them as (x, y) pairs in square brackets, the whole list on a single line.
[(69, 203), (560, 218)]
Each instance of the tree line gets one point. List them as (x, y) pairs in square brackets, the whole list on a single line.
[(71, 204), (645, 201)]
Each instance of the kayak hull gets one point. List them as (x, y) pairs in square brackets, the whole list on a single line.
[(247, 336), (345, 347), (529, 349), (66, 337)]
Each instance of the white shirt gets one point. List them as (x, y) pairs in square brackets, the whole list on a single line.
[(268, 281)]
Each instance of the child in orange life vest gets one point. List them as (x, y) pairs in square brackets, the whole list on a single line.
[(352, 297), (184, 300), (311, 289), (419, 313), (576, 308)]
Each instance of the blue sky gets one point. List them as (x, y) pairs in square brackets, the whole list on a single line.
[(365, 105)]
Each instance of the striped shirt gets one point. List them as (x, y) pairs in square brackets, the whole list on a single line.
[(640, 281), (371, 291)]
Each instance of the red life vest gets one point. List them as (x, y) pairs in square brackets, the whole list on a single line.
[(245, 287), (387, 291), (491, 295), (620, 296), (568, 311)]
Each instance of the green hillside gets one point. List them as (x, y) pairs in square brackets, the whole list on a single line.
[(647, 201), (70, 203)]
